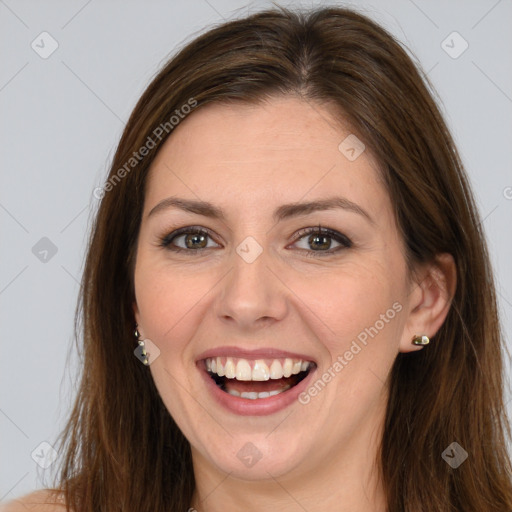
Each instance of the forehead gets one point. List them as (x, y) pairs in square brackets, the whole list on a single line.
[(282, 147)]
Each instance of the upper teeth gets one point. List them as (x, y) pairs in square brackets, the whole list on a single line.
[(259, 369)]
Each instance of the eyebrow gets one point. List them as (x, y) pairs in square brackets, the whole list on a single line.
[(283, 212)]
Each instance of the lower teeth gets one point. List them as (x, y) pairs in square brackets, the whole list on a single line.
[(252, 395)]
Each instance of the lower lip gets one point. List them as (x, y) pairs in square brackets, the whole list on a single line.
[(258, 406)]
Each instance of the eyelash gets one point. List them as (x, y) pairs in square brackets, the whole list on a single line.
[(345, 242)]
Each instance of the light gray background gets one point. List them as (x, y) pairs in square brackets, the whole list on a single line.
[(62, 117)]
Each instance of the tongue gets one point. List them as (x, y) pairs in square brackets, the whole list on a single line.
[(259, 386)]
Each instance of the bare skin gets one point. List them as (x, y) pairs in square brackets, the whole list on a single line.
[(248, 161), (38, 501)]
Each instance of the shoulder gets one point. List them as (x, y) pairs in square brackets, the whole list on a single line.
[(43, 500)]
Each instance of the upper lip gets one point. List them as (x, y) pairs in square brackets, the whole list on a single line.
[(259, 353)]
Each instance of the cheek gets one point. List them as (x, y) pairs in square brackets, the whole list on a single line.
[(361, 324), (168, 301), (352, 298), (361, 314)]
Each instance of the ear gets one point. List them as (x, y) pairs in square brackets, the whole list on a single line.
[(135, 311), (430, 300)]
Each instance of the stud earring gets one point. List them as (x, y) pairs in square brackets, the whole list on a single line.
[(421, 340), (142, 349)]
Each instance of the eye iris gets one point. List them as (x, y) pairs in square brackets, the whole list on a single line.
[(326, 241), (198, 240), (195, 236)]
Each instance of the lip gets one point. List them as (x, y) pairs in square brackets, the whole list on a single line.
[(260, 406), (260, 353)]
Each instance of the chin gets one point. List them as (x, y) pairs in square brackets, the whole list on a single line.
[(258, 457)]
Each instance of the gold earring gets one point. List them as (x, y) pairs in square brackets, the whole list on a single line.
[(420, 340)]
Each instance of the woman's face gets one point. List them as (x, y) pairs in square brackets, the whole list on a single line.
[(300, 326)]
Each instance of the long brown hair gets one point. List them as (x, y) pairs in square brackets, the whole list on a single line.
[(123, 451)]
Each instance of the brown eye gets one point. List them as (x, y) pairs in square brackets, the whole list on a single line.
[(190, 239), (319, 241), (195, 240)]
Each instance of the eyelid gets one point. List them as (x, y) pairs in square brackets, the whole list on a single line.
[(345, 243), (165, 240), (332, 233)]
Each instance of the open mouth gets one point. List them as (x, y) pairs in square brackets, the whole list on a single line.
[(257, 379)]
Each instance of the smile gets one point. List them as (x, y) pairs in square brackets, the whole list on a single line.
[(255, 382), (256, 379)]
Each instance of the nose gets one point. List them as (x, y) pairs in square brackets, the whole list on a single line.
[(251, 294)]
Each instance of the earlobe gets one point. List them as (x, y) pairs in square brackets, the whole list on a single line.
[(432, 301)]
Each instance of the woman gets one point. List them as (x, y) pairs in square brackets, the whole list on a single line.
[(288, 244)]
